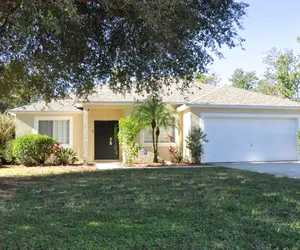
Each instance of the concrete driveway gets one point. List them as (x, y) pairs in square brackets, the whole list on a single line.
[(290, 169)]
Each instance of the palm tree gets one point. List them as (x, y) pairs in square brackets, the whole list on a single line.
[(154, 114)]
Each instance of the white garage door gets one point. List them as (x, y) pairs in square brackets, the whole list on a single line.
[(250, 139)]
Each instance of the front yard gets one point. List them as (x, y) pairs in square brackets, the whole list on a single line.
[(214, 208)]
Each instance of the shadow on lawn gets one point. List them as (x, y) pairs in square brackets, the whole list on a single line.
[(141, 209)]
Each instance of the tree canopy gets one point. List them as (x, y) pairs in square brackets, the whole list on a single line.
[(283, 71), (71, 45), (244, 79), (281, 77)]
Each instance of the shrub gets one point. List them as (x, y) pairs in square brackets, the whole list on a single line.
[(64, 156), (128, 130), (7, 152), (33, 149), (194, 142), (7, 128), (7, 133)]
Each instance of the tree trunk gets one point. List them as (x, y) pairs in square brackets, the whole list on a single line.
[(154, 146)]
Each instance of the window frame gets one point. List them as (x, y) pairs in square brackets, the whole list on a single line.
[(56, 118), (160, 144)]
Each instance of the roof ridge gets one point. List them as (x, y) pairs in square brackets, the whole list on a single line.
[(215, 88)]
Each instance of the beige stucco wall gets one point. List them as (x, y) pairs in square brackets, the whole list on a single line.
[(114, 113), (25, 125), (100, 115)]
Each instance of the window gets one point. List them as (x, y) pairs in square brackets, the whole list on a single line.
[(163, 136), (60, 128)]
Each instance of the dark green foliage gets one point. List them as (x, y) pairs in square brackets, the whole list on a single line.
[(66, 46), (203, 208), (66, 156), (129, 127), (17, 87), (194, 142), (33, 149)]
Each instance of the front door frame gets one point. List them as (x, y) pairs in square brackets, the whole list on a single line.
[(118, 144)]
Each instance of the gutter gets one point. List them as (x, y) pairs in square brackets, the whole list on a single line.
[(14, 112), (186, 106)]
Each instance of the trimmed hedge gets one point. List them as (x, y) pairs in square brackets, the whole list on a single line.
[(33, 149)]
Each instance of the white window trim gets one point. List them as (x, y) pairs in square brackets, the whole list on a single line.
[(160, 144), (55, 118)]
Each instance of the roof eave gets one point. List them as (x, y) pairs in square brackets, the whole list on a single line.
[(14, 112), (186, 106)]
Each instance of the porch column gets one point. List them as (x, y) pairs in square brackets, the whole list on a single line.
[(85, 136)]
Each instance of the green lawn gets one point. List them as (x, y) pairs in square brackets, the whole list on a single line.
[(208, 208)]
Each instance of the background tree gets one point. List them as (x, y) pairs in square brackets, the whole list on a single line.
[(75, 44), (267, 88), (16, 87), (244, 79), (212, 79), (283, 71), (153, 114)]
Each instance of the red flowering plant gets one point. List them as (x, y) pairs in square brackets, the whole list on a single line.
[(64, 156), (174, 151), (57, 147)]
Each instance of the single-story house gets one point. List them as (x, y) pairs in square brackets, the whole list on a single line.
[(240, 125)]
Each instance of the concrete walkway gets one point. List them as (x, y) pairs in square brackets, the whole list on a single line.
[(290, 169), (107, 165)]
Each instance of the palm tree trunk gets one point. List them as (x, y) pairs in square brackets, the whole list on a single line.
[(154, 146)]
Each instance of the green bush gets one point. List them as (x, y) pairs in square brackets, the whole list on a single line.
[(194, 142), (33, 149), (128, 130)]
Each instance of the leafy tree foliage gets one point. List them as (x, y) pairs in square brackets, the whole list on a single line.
[(212, 79), (283, 70), (267, 88), (154, 114), (69, 46), (17, 86), (244, 79)]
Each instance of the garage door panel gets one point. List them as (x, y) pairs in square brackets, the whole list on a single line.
[(250, 139)]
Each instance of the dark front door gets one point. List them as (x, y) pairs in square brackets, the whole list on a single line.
[(106, 141)]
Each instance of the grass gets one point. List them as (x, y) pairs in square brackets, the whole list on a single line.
[(207, 208)]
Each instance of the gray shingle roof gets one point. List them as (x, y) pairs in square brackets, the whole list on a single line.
[(66, 105), (201, 94), (228, 95)]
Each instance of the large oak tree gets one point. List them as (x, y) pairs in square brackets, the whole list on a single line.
[(64, 46)]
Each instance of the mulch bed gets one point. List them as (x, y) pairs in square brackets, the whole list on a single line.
[(151, 165), (68, 167)]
